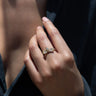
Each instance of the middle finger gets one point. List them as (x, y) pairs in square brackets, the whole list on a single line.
[(42, 39)]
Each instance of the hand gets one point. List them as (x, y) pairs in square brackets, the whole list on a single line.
[(57, 74)]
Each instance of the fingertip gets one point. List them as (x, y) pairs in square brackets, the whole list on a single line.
[(26, 58), (45, 19), (38, 27)]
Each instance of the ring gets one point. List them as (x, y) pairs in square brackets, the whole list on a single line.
[(47, 50)]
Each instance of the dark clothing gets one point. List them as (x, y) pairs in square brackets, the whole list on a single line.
[(75, 23), (21, 86), (87, 54)]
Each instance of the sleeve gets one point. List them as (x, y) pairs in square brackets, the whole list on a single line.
[(87, 91)]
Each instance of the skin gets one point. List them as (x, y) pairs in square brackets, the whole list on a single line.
[(1, 29), (16, 32), (55, 75)]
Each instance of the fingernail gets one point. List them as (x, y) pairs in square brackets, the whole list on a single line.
[(45, 19)]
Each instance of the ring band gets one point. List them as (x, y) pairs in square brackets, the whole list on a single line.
[(47, 50)]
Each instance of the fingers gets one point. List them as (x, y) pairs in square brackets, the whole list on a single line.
[(36, 54), (33, 72), (42, 39), (55, 36), (49, 70)]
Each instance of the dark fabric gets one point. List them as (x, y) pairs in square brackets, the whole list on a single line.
[(23, 87), (93, 82), (87, 55), (86, 88), (75, 20), (2, 79)]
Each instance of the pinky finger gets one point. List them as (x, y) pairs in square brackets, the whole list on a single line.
[(33, 72)]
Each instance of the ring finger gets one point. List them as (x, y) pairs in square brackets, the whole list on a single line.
[(36, 55), (43, 40)]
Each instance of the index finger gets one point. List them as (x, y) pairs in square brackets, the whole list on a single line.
[(56, 38)]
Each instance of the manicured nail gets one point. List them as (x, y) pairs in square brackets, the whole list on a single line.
[(45, 19)]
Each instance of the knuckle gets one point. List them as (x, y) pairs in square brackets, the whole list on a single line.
[(68, 56), (47, 74), (32, 46), (54, 32), (56, 65), (41, 38), (38, 82), (69, 60), (26, 59)]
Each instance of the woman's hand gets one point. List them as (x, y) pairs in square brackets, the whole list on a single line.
[(57, 74)]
